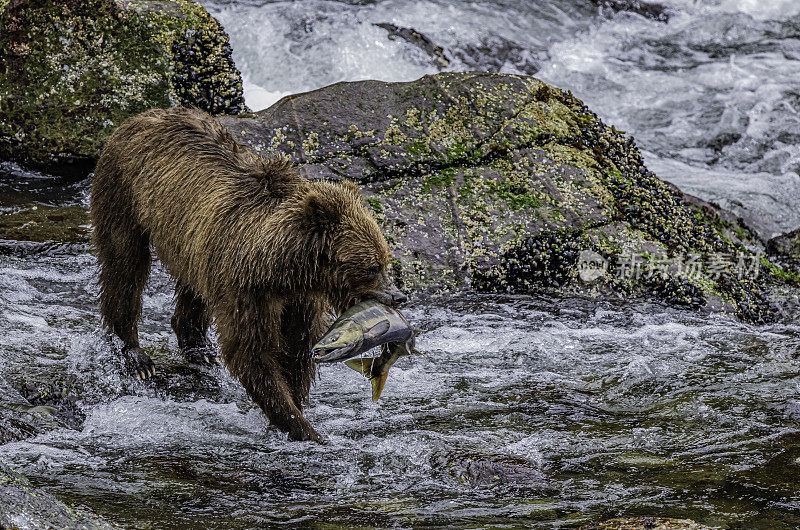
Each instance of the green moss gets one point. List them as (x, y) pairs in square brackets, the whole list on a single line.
[(517, 195), (779, 273), (439, 179), (375, 204), (67, 224), (72, 71)]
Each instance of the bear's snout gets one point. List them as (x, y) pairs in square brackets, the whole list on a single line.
[(388, 294)]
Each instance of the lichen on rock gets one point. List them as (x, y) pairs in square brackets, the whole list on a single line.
[(70, 71)]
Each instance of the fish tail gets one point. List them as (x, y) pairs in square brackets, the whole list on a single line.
[(377, 385)]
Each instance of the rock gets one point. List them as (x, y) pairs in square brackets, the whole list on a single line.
[(649, 10), (70, 71), (494, 53), (480, 470), (19, 418), (424, 43), (23, 506), (502, 182), (646, 523), (60, 224), (784, 256), (786, 248), (44, 229)]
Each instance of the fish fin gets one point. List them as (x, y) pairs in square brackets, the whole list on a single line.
[(377, 386), (414, 350), (362, 365), (378, 329)]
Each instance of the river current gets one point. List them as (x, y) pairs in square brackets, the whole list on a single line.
[(524, 411)]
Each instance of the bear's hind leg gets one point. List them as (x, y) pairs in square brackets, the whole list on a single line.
[(190, 323), (124, 255)]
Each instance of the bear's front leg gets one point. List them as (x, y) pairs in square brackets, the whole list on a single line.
[(253, 349), (273, 395)]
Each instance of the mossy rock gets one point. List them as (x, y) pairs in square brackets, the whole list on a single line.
[(786, 250), (24, 506), (39, 224), (646, 523), (70, 71), (503, 182)]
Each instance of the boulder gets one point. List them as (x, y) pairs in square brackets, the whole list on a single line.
[(24, 506), (503, 183), (72, 70), (786, 249)]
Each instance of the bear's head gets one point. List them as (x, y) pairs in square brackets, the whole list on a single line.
[(353, 254)]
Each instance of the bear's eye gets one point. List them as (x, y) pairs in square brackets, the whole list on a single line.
[(375, 270)]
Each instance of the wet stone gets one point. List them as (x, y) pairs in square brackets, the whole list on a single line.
[(646, 523), (39, 224), (19, 418), (482, 470), (23, 506), (72, 71)]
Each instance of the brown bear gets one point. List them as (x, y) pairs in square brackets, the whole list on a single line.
[(266, 253)]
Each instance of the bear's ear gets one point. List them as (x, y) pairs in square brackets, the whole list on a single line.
[(319, 211)]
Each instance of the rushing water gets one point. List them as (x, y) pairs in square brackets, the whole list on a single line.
[(525, 411)]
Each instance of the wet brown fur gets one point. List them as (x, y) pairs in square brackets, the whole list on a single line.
[(250, 243)]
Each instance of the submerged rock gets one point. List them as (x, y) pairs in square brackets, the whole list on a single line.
[(493, 53), (646, 523), (44, 229), (62, 224), (23, 506), (424, 43), (480, 470), (506, 184), (19, 418), (70, 71), (653, 11)]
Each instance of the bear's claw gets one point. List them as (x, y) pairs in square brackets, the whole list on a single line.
[(139, 363), (205, 356), (305, 434)]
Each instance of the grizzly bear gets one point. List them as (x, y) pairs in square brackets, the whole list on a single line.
[(267, 254)]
